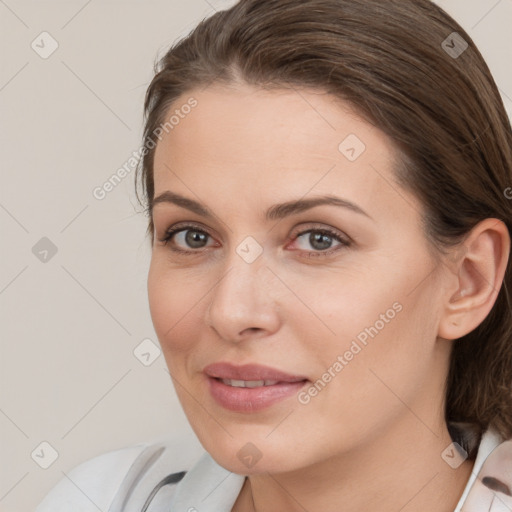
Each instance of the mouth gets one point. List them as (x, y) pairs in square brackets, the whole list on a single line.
[(254, 383), (250, 388), (250, 373), (251, 396)]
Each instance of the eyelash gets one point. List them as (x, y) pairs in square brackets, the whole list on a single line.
[(344, 243)]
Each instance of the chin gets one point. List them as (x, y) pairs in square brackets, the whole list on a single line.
[(244, 456)]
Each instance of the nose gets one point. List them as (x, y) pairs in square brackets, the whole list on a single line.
[(243, 302)]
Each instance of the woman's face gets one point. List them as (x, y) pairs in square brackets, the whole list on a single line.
[(344, 297)]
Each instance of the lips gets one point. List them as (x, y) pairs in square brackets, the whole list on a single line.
[(249, 372), (250, 388)]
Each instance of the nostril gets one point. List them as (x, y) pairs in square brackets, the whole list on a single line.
[(250, 330)]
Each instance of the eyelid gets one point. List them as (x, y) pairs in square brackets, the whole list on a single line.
[(316, 226), (184, 225)]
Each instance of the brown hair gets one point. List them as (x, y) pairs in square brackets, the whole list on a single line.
[(402, 68)]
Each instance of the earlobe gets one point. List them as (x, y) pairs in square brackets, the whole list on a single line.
[(479, 273)]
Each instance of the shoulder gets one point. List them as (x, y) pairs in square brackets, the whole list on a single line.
[(122, 479)]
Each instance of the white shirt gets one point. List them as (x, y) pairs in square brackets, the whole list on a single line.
[(151, 475)]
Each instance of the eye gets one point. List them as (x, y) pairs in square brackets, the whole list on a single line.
[(320, 241), (189, 239), (186, 239)]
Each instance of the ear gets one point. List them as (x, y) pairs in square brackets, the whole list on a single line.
[(478, 267)]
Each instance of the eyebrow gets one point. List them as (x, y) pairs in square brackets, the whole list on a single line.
[(275, 212)]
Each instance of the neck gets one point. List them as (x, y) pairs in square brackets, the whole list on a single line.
[(399, 469)]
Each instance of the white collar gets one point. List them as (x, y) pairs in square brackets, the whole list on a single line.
[(490, 441), (207, 487)]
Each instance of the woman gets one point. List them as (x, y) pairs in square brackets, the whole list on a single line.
[(326, 183)]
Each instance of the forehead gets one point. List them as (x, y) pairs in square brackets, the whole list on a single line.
[(280, 142), (273, 120)]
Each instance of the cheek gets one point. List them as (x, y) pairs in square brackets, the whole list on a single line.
[(357, 306), (175, 303), (386, 298), (378, 326)]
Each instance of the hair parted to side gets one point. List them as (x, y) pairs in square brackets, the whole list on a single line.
[(444, 114)]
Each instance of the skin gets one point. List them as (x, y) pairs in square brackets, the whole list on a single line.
[(372, 439)]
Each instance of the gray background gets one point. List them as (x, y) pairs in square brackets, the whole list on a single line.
[(71, 321)]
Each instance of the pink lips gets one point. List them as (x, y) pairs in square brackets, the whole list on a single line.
[(253, 399), (249, 372)]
